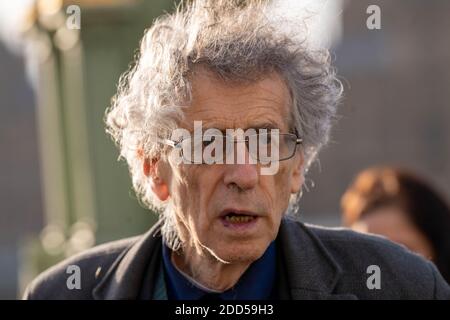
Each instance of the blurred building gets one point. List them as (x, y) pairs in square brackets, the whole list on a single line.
[(20, 193)]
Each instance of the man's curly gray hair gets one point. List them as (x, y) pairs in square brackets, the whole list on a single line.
[(238, 43)]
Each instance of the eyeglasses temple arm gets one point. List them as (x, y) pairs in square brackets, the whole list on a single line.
[(168, 142)]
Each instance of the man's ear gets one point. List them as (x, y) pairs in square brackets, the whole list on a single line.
[(297, 177), (157, 183)]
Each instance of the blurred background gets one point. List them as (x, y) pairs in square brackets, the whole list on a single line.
[(62, 189)]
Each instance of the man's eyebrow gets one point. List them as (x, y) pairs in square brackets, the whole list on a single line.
[(266, 125)]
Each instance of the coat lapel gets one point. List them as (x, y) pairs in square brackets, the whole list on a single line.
[(311, 272), (124, 279)]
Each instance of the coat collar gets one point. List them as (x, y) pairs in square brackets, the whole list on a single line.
[(311, 272), (125, 277)]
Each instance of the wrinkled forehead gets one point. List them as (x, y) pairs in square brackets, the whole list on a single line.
[(264, 103)]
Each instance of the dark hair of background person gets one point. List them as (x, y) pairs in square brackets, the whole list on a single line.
[(379, 187)]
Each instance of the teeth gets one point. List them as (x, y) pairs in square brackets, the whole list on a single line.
[(238, 219)]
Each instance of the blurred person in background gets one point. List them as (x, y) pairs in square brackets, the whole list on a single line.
[(403, 207)]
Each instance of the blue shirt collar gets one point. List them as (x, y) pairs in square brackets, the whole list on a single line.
[(255, 284)]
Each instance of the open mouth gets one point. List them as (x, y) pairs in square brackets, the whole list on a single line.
[(238, 218)]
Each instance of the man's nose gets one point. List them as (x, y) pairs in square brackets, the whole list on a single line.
[(244, 176)]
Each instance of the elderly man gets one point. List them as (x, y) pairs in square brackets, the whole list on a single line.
[(219, 120)]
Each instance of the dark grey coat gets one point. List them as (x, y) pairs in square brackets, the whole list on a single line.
[(313, 263)]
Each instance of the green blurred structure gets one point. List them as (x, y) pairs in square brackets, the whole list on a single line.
[(88, 196)]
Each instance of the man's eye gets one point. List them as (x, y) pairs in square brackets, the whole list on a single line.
[(207, 143), (265, 139), (209, 140)]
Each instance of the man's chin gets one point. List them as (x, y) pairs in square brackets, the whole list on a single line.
[(240, 253)]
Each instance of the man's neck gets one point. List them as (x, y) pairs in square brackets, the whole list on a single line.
[(207, 270)]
